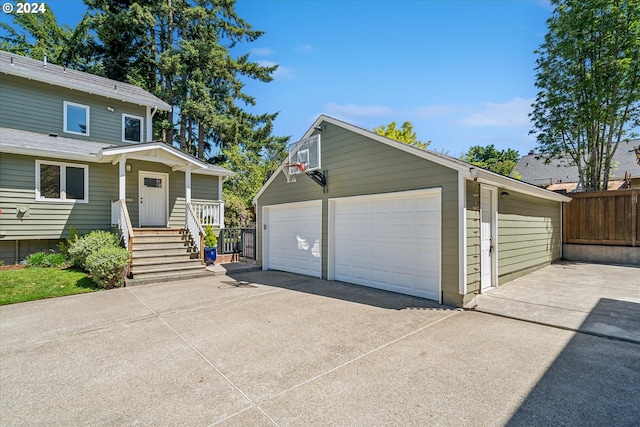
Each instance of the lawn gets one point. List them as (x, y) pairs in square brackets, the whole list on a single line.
[(28, 284)]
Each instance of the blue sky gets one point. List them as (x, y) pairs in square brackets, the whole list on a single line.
[(462, 72)]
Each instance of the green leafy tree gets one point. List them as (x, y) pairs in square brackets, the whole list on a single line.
[(588, 76), (404, 134), (489, 157)]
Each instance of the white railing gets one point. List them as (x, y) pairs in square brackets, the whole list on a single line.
[(194, 226), (120, 219), (210, 213)]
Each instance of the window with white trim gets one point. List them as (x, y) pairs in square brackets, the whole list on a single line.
[(61, 182), (76, 118), (131, 128)]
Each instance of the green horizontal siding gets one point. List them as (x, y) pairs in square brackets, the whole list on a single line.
[(473, 236), (38, 107), (528, 234), (357, 165)]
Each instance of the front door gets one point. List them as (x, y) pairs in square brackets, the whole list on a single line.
[(153, 198), (486, 237)]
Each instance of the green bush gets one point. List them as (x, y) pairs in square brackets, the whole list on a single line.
[(108, 266), (210, 239), (43, 259), (84, 246), (66, 244)]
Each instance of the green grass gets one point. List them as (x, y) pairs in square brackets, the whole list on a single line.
[(29, 284)]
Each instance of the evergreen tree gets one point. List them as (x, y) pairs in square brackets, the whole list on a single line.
[(489, 157)]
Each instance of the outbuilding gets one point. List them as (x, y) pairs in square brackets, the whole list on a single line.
[(354, 206)]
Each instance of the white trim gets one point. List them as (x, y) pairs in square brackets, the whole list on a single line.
[(63, 182), (462, 234), (122, 177), (494, 232), (87, 109), (141, 184), (124, 116), (187, 184)]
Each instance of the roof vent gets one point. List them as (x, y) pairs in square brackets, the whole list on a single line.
[(12, 62), (532, 152), (55, 135), (44, 62)]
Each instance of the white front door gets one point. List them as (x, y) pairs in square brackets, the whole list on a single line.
[(486, 237), (154, 188)]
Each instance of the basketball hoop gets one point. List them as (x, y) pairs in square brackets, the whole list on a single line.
[(289, 170)]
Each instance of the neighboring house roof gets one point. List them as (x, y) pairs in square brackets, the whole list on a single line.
[(32, 69), (37, 144), (461, 166), (532, 167)]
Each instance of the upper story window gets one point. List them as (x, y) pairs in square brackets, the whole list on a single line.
[(131, 128), (76, 118), (61, 182)]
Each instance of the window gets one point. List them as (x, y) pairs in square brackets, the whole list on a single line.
[(131, 128), (76, 118), (61, 182)]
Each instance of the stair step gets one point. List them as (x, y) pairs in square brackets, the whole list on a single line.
[(144, 261), (160, 253), (160, 245), (165, 272), (155, 268), (171, 238), (159, 231)]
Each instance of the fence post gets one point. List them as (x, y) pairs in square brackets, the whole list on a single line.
[(634, 217)]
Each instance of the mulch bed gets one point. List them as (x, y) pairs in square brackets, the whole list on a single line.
[(12, 267)]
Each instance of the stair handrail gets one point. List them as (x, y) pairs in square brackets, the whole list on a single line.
[(122, 220), (195, 229)]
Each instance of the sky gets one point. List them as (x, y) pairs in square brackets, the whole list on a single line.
[(461, 71)]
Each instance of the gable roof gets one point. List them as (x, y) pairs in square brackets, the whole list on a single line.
[(32, 69), (22, 142), (463, 168), (533, 169)]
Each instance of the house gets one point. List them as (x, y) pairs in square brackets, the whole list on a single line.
[(562, 175), (354, 206), (76, 150)]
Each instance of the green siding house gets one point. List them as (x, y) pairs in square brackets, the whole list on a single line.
[(76, 151), (403, 219)]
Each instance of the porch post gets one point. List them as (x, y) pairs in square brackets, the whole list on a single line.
[(220, 179), (187, 184), (122, 177)]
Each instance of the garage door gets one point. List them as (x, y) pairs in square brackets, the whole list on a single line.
[(389, 241), (293, 238)]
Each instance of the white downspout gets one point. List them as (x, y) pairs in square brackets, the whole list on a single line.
[(122, 177), (150, 114), (220, 180), (187, 184)]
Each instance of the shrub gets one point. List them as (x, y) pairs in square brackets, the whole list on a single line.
[(66, 244), (43, 259), (86, 245), (108, 266), (210, 239)]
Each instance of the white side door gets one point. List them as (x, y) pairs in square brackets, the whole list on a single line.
[(487, 252), (152, 203)]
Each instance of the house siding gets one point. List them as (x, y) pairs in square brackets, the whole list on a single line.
[(41, 110), (528, 235), (356, 165)]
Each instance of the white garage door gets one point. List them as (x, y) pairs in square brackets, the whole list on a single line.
[(292, 239), (390, 241)]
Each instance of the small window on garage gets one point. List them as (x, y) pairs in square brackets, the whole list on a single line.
[(76, 118), (61, 182), (131, 128)]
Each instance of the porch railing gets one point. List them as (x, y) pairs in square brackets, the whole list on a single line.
[(195, 228), (209, 213), (120, 219), (240, 241)]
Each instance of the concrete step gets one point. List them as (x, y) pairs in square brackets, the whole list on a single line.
[(190, 275), (165, 270), (165, 260)]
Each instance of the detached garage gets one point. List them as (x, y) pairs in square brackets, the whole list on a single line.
[(353, 206)]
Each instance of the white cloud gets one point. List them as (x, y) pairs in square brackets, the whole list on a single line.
[(281, 72), (513, 113), (303, 47), (262, 51)]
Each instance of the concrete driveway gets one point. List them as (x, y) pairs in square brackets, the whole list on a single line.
[(269, 348)]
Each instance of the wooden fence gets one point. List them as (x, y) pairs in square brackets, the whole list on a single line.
[(602, 218)]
